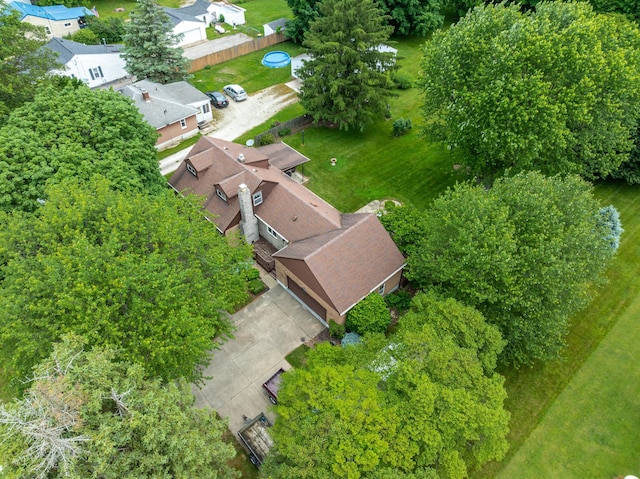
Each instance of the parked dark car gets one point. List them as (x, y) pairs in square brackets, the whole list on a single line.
[(218, 99)]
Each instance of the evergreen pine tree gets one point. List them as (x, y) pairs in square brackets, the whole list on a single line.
[(150, 50), (345, 81)]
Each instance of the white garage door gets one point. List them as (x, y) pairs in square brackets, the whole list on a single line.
[(191, 36)]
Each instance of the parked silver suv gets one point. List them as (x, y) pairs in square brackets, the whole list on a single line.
[(236, 92)]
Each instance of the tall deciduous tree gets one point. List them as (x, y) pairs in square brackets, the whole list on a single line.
[(23, 62), (556, 90), (304, 14), (148, 276), (525, 253), (150, 49), (75, 132), (344, 81), (407, 17), (88, 415), (414, 17), (424, 403)]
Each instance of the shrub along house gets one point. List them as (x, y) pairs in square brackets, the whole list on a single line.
[(328, 260)]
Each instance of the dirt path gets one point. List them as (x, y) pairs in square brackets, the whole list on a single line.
[(239, 118)]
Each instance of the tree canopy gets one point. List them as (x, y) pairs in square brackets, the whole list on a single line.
[(525, 253), (344, 82), (406, 17), (145, 275), (88, 415), (75, 132), (556, 89), (150, 46), (423, 403), (23, 62), (413, 17)]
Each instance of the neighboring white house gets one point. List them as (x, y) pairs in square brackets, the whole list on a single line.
[(192, 29), (297, 62), (174, 109), (233, 14), (57, 20), (202, 10), (210, 12), (93, 64), (276, 26)]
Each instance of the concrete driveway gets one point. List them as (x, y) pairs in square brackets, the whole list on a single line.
[(268, 329)]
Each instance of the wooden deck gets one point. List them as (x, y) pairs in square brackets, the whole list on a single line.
[(262, 251)]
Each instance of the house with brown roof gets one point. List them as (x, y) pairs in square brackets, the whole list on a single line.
[(326, 259)]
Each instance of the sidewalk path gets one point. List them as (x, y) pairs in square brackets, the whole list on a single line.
[(172, 162)]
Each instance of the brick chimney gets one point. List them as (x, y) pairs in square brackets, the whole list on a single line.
[(145, 96), (249, 222)]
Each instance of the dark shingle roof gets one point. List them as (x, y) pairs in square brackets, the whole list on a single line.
[(200, 7), (176, 16), (67, 49)]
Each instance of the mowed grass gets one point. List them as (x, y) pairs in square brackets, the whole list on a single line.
[(371, 165), (593, 411), (591, 430), (246, 70), (259, 12), (375, 165)]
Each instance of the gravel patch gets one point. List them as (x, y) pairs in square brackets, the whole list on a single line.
[(238, 118)]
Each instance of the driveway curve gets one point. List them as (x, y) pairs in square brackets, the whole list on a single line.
[(240, 117)]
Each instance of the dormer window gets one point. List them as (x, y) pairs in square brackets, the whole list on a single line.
[(192, 170), (221, 194), (257, 198)]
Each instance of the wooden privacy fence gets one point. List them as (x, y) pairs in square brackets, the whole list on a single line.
[(236, 51), (294, 125)]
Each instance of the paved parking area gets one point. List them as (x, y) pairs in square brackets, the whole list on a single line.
[(268, 329), (211, 46)]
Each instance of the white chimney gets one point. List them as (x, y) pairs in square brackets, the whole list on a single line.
[(249, 222), (241, 158)]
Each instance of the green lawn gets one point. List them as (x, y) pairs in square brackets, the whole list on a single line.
[(533, 392), (376, 165), (245, 70), (591, 428), (259, 12), (106, 8)]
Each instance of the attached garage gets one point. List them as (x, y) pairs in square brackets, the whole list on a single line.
[(191, 36), (303, 296)]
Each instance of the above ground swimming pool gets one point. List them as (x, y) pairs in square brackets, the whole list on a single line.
[(276, 59)]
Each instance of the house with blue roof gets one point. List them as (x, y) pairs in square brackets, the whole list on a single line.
[(57, 20)]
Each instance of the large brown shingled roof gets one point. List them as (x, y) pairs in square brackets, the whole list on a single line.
[(361, 255), (341, 257)]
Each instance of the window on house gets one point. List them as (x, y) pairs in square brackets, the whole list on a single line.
[(257, 198), (192, 170), (381, 289), (95, 73), (67, 25), (183, 125), (272, 232), (47, 30), (221, 194), (205, 108)]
